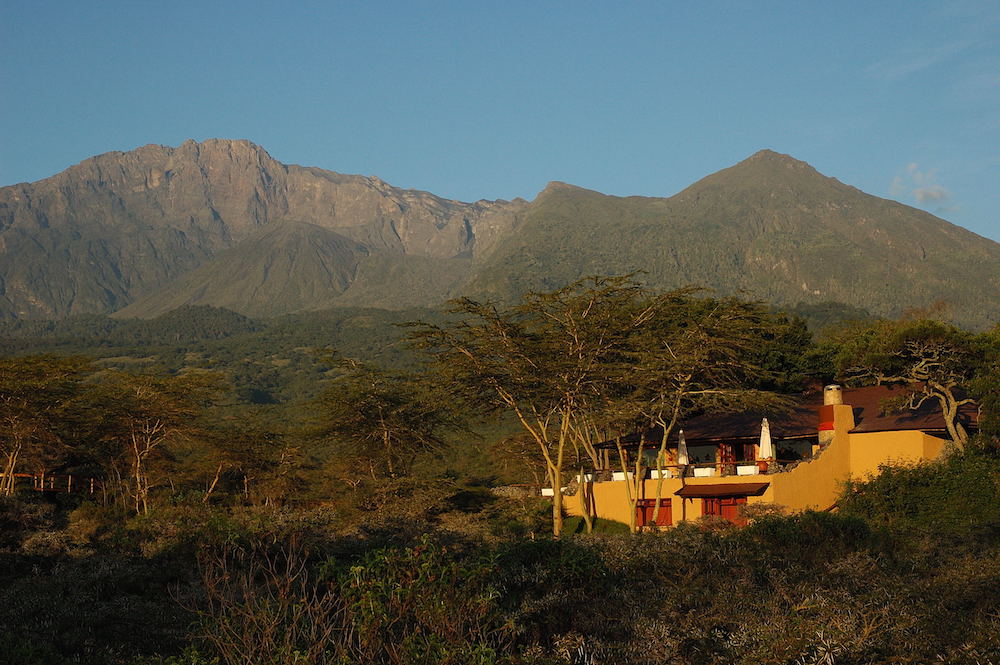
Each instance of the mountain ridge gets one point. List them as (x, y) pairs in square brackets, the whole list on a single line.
[(143, 231)]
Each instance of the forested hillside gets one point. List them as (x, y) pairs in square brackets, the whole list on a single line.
[(266, 360)]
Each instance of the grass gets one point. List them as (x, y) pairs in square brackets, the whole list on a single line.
[(577, 525)]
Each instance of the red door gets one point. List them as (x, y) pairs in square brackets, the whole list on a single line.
[(646, 513), (726, 507)]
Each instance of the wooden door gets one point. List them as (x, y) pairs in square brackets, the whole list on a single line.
[(726, 507), (646, 513)]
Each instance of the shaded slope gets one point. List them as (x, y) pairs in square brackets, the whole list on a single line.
[(771, 226), (222, 223), (286, 267)]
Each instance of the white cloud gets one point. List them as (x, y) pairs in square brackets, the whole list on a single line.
[(931, 193), (919, 185), (897, 187)]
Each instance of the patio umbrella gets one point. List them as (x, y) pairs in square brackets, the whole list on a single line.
[(682, 449), (766, 450)]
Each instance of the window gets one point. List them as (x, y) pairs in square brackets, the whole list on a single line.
[(702, 454)]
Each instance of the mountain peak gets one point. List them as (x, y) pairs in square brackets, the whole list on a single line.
[(766, 172), (559, 187), (221, 222), (556, 185), (772, 158)]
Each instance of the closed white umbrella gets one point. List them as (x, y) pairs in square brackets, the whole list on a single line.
[(766, 450), (682, 449)]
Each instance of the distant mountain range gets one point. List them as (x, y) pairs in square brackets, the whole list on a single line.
[(222, 223)]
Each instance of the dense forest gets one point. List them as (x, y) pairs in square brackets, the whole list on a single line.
[(337, 487)]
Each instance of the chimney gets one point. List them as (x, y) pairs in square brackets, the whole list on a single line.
[(833, 396)]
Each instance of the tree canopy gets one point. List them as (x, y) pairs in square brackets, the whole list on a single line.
[(935, 360), (601, 358)]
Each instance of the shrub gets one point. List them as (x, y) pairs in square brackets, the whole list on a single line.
[(956, 499), (420, 604)]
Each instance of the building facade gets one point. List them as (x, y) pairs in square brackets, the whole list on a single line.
[(716, 467)]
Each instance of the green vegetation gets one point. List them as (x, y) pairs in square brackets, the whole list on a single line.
[(935, 360), (281, 586), (369, 512), (268, 361)]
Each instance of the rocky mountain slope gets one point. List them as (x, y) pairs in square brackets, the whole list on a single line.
[(222, 223), (121, 226)]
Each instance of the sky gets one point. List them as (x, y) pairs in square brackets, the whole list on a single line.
[(487, 100)]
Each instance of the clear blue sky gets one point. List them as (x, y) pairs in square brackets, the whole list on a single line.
[(477, 100)]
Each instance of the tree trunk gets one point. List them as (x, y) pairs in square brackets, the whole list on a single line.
[(949, 408), (388, 452), (10, 468), (632, 496), (557, 497), (7, 480), (215, 481), (584, 494), (140, 449), (660, 457)]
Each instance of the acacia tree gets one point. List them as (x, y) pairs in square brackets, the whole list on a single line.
[(986, 386), (37, 395), (140, 417), (262, 461), (547, 360), (384, 418), (693, 354), (934, 360)]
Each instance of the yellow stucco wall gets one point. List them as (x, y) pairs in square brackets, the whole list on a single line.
[(610, 498), (870, 450), (815, 484)]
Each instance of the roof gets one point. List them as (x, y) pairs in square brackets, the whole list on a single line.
[(868, 415), (801, 420), (722, 489)]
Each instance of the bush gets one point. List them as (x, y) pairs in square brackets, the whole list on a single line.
[(97, 608), (420, 604), (955, 500), (22, 516)]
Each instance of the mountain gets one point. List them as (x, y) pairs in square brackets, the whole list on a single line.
[(284, 266), (120, 227), (771, 226), (222, 223)]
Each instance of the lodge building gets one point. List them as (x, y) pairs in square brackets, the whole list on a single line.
[(798, 459)]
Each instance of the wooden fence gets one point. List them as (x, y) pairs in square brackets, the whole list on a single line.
[(60, 482)]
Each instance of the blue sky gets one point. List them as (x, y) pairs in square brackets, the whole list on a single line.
[(477, 100)]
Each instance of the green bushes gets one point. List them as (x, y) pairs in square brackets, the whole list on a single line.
[(955, 500), (806, 588), (94, 608), (425, 604), (412, 605), (887, 580)]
